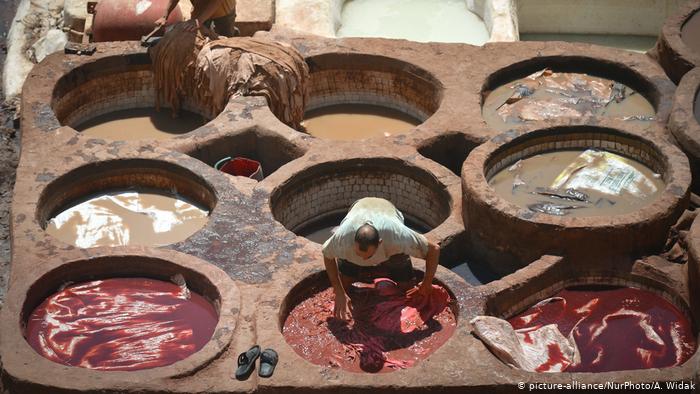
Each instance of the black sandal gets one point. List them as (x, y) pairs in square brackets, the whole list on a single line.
[(246, 362), (268, 360)]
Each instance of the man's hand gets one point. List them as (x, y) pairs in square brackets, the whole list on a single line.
[(423, 290), (193, 25), (343, 307), (160, 22)]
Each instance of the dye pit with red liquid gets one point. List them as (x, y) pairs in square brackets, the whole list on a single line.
[(615, 328), (387, 332), (121, 324)]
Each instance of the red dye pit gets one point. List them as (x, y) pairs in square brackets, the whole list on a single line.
[(387, 332), (614, 328), (121, 324)]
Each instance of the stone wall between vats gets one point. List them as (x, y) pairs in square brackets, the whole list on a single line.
[(327, 195)]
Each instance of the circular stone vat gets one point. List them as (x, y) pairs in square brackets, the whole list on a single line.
[(388, 333), (616, 324), (566, 87), (123, 324), (684, 122), (318, 197), (415, 20), (114, 98), (579, 182), (525, 230), (678, 46), (129, 313), (355, 97), (131, 202), (548, 94)]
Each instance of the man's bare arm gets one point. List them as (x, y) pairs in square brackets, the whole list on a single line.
[(342, 307), (171, 6), (431, 263)]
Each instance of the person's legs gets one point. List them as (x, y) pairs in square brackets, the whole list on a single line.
[(401, 271), (224, 26)]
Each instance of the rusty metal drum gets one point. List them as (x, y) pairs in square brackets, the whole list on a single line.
[(129, 20)]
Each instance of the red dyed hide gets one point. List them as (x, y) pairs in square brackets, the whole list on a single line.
[(388, 331)]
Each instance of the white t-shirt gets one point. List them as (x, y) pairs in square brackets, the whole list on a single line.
[(396, 237)]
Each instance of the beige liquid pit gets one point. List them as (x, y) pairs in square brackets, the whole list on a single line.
[(140, 123), (541, 171), (127, 218), (357, 122), (555, 95)]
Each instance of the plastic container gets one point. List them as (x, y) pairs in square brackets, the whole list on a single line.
[(240, 166)]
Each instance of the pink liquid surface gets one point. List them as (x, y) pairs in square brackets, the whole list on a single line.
[(121, 324), (387, 331), (614, 328)]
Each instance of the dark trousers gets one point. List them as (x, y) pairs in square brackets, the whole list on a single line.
[(223, 26), (397, 268)]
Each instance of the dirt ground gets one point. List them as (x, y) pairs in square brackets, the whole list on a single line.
[(9, 153)]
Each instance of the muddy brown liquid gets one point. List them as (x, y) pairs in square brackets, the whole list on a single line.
[(690, 33), (554, 95), (128, 218), (140, 123), (321, 231), (357, 122), (540, 171)]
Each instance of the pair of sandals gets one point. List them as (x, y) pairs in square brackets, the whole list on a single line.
[(246, 362)]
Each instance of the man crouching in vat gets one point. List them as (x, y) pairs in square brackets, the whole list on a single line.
[(370, 238), (222, 13)]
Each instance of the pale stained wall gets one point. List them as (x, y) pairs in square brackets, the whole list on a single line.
[(633, 17)]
